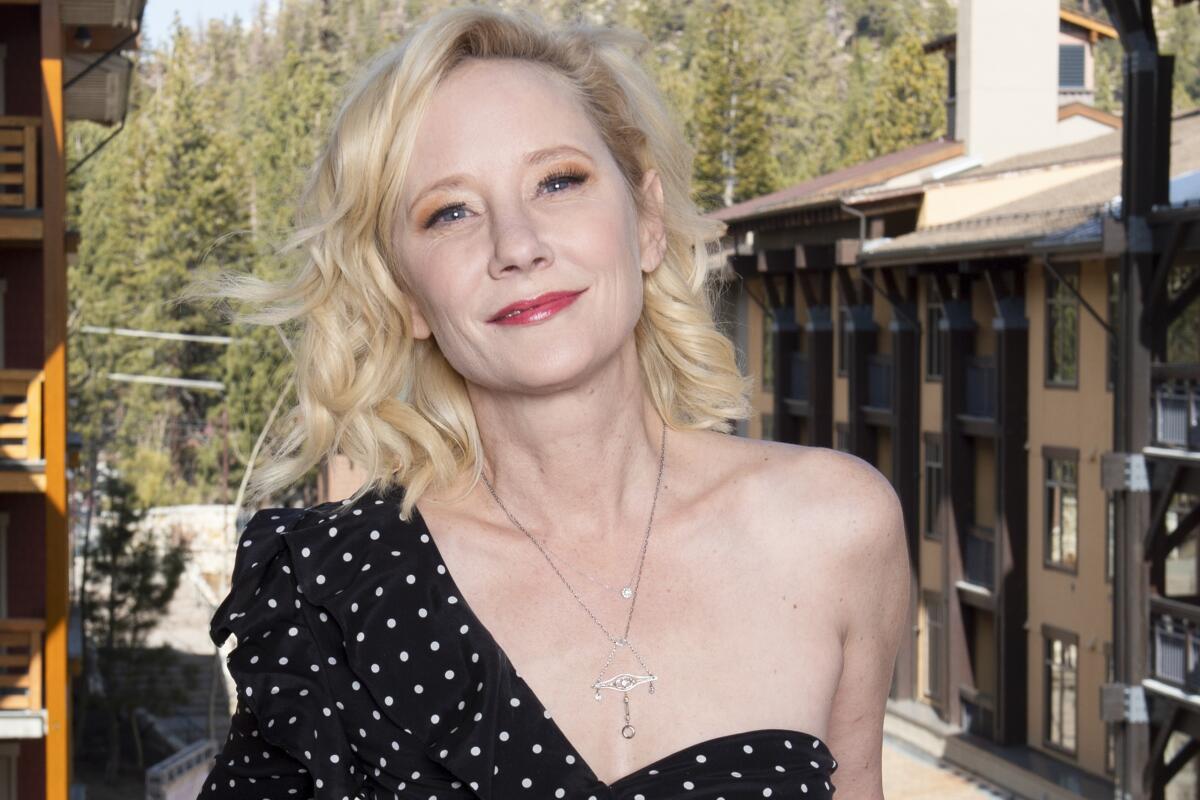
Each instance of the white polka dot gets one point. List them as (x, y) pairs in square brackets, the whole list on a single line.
[(815, 764), (404, 655), (514, 702), (334, 758), (463, 629), (418, 688), (347, 557), (293, 631), (435, 719), (391, 623), (422, 613), (451, 599), (689, 785), (449, 674), (537, 748), (504, 736), (767, 792), (475, 750), (570, 758), (333, 531), (320, 579), (747, 748), (374, 536), (434, 645), (526, 782), (411, 579), (701, 758)]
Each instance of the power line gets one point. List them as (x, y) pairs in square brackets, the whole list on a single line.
[(180, 337), (187, 383)]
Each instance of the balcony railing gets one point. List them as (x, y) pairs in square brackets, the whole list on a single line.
[(879, 380), (799, 377), (1175, 405), (21, 414), (979, 557), (21, 664), (981, 386), (1175, 642), (18, 162)]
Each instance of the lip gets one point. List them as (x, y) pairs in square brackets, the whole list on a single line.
[(535, 309)]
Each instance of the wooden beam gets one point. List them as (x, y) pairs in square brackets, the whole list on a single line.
[(54, 426)]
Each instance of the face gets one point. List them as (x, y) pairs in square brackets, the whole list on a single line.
[(512, 194)]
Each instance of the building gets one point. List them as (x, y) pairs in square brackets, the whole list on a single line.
[(948, 313), (59, 60)]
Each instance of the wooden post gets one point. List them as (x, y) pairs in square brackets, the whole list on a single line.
[(54, 429)]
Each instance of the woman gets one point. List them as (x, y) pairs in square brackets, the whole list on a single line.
[(505, 323)]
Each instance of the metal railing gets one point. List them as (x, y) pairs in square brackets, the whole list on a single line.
[(879, 380), (1175, 642), (18, 162), (21, 414), (178, 776), (21, 664), (1175, 405), (979, 557)]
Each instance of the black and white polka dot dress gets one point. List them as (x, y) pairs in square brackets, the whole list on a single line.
[(361, 673)]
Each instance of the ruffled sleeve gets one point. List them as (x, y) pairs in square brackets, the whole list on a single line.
[(285, 740)]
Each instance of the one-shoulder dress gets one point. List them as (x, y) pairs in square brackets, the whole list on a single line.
[(362, 674)]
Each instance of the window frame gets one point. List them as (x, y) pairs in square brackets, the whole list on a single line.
[(1052, 634), (1052, 301), (1049, 455)]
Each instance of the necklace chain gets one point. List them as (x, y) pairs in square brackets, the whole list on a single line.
[(624, 681)]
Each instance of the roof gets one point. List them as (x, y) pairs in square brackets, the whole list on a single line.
[(1093, 26), (1064, 216), (828, 188)]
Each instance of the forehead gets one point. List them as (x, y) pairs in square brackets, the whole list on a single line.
[(490, 112)]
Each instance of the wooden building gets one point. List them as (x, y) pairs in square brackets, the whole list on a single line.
[(60, 60), (949, 314)]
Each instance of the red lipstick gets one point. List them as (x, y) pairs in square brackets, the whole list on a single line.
[(536, 309)]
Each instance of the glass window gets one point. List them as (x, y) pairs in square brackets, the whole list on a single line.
[(933, 336), (1062, 513), (1061, 681), (1071, 72), (1062, 327), (933, 485)]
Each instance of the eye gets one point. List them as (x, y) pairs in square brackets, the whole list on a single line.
[(568, 177), (436, 216)]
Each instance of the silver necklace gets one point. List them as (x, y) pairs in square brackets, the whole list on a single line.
[(624, 681), (626, 590)]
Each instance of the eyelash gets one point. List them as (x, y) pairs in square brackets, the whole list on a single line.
[(577, 177)]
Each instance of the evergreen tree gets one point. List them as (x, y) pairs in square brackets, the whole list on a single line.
[(906, 105)]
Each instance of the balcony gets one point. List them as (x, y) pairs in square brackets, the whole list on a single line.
[(22, 467), (20, 215), (1175, 406), (21, 710), (1175, 642), (797, 399), (979, 557)]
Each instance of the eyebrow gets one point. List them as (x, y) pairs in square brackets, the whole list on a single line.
[(533, 159)]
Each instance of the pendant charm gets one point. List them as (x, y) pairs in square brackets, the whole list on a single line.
[(628, 731), (624, 682), (627, 593)]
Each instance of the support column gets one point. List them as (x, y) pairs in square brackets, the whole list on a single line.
[(906, 469), (958, 485), (1012, 514)]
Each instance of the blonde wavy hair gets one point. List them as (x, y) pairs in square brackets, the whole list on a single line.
[(392, 404)]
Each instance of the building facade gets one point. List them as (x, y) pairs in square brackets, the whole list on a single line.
[(59, 61)]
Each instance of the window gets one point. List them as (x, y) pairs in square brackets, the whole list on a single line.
[(1110, 536), (768, 352), (933, 484), (933, 336), (768, 427), (1062, 508), (1110, 728), (934, 634), (1071, 59), (1060, 677), (1114, 296), (843, 340), (1062, 327)]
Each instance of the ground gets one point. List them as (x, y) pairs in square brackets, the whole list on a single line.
[(909, 774)]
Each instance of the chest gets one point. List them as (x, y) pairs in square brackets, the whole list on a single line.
[(735, 635)]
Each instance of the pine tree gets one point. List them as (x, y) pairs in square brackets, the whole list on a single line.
[(906, 106)]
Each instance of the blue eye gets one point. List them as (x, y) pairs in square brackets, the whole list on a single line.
[(569, 178)]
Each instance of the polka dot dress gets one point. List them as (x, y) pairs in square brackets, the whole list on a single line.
[(362, 674)]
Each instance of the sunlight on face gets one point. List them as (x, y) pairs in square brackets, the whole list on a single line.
[(512, 193)]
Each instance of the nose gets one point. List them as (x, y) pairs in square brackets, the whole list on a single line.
[(517, 242)]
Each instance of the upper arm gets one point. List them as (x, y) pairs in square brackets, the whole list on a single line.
[(874, 562)]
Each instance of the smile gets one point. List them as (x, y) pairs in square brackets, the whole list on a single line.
[(538, 309)]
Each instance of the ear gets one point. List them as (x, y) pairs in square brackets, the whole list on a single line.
[(652, 236), (420, 326)]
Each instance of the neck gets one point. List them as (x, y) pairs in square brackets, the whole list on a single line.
[(577, 464)]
